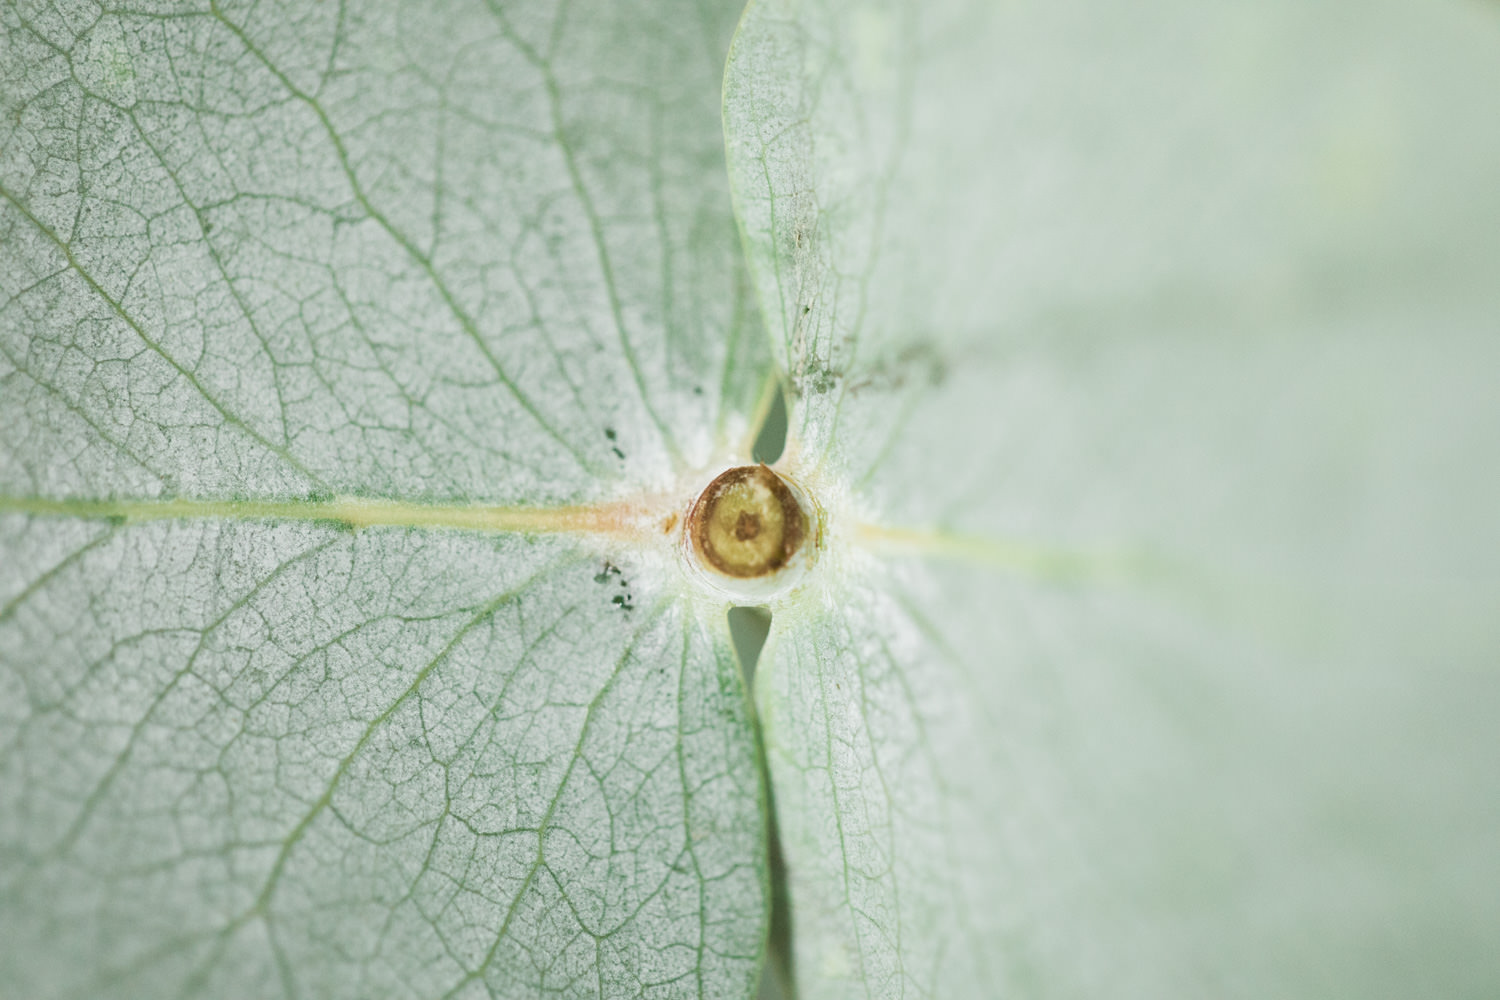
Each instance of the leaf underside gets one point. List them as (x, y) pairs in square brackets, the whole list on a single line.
[(1173, 328), (267, 258), (1140, 361)]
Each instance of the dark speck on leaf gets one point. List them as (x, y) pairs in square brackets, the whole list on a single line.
[(919, 363), (604, 575), (609, 432), (821, 380)]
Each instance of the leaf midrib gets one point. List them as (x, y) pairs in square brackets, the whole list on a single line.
[(619, 518)]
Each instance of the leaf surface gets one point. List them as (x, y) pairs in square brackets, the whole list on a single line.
[(1148, 352), (270, 257)]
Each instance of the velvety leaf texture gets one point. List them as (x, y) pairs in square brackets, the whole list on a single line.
[(451, 252), (1154, 348), (359, 366)]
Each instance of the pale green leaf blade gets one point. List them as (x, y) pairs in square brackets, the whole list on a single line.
[(275, 248), (246, 761), (1152, 350), (256, 258)]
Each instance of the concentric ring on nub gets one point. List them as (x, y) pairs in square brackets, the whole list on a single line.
[(747, 523)]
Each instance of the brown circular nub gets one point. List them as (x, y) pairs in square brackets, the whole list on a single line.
[(747, 523)]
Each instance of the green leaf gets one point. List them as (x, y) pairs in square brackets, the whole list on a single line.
[(272, 271), (1147, 355), (359, 363)]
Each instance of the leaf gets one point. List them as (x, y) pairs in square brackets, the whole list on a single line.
[(272, 272), (1145, 355), (355, 362)]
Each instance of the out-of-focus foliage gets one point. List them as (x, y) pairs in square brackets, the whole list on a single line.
[(1178, 325)]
